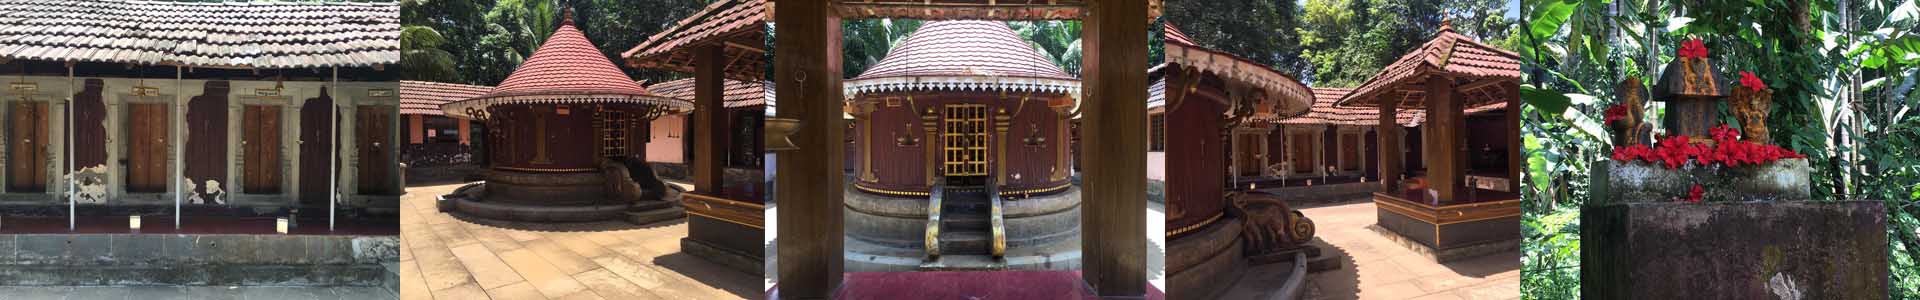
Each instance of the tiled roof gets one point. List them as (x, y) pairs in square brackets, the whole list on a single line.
[(425, 97), (739, 25), (264, 35), (1449, 52), (964, 48), (736, 93), (1289, 97), (1325, 113), (566, 69), (969, 9), (567, 64)]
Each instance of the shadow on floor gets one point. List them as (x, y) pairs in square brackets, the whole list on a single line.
[(735, 282), (1346, 278)]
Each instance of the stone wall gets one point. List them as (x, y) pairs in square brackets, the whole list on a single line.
[(1734, 250)]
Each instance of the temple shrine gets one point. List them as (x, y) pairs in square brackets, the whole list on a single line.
[(566, 134), (975, 147), (1201, 101), (1461, 200), (724, 47)]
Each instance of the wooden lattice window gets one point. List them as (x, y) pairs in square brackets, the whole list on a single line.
[(614, 126), (965, 138)]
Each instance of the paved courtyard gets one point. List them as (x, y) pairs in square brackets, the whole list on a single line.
[(1373, 267), (445, 258)]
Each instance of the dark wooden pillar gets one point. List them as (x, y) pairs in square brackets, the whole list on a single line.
[(1389, 143), (1516, 155), (710, 128), (807, 57), (1444, 120), (1113, 203)]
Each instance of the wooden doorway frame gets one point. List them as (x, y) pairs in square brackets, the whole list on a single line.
[(807, 57)]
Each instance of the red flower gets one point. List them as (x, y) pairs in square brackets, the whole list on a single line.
[(1752, 82), (1724, 134), (1693, 48), (1617, 112), (1694, 195)]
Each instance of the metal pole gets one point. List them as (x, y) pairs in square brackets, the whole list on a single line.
[(71, 203), (333, 145), (179, 148)]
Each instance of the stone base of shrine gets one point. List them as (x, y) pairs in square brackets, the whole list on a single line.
[(476, 203), (1449, 232), (1204, 263), (196, 259), (1063, 285), (1734, 250), (886, 234), (902, 222)]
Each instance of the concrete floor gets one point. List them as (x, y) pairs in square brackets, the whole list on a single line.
[(1373, 267), (442, 257), (190, 292)]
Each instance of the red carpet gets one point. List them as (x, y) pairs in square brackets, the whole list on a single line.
[(961, 285)]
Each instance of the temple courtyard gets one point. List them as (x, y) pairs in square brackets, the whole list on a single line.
[(1373, 267), (442, 257)]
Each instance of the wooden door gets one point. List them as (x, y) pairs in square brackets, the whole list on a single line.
[(1302, 152), (27, 164), (1350, 151), (147, 132), (1249, 149), (316, 150), (260, 149), (374, 131)]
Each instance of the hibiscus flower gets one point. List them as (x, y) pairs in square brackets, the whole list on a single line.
[(1752, 82)]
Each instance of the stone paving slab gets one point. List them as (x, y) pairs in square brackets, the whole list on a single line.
[(447, 258), (1373, 267)]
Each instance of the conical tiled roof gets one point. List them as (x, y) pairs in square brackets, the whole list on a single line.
[(566, 69), (964, 48), (567, 64)]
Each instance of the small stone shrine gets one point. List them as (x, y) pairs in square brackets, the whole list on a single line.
[(1711, 213)]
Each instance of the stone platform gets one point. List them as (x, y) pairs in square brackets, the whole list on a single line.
[(1734, 250), (196, 259), (887, 234), (476, 202), (1449, 232)]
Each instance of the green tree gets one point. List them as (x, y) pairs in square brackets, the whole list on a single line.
[(865, 41), (422, 58), (1059, 41)]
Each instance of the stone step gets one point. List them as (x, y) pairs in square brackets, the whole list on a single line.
[(965, 242), (964, 263), (392, 280), (644, 217), (966, 221)]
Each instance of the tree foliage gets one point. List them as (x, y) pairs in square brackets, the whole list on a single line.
[(486, 39), (1332, 43)]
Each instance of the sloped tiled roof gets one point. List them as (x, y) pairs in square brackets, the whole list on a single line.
[(425, 97), (739, 25), (1289, 97), (964, 48), (262, 35), (567, 64), (566, 69), (1325, 113), (1448, 52), (736, 93)]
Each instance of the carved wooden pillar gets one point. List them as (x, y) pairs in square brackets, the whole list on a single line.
[(1444, 121), (1114, 201), (710, 125), (1389, 144), (807, 57)]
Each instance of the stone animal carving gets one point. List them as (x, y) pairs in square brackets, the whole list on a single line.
[(631, 179), (1269, 225)]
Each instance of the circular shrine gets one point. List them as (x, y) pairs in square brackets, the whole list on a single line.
[(564, 130), (961, 139)]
